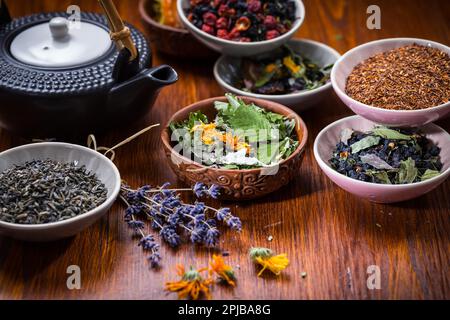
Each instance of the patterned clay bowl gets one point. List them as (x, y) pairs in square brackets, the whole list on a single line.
[(167, 39), (403, 118), (237, 184), (382, 193), (105, 170)]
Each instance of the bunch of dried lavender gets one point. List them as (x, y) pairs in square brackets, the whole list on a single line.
[(173, 218)]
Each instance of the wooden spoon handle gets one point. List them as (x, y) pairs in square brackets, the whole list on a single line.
[(120, 34)]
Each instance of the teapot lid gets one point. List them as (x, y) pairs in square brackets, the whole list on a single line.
[(60, 44)]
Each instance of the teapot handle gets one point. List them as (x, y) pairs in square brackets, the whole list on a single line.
[(5, 17), (125, 69)]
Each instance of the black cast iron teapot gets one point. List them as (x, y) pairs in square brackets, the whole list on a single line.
[(59, 77)]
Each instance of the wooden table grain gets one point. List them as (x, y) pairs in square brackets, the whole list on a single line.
[(326, 232)]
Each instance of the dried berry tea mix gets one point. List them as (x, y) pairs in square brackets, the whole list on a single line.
[(284, 72), (243, 20), (408, 78), (385, 155), (44, 191)]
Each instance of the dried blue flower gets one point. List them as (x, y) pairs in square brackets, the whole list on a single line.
[(212, 237), (149, 243), (136, 224), (223, 213), (169, 235), (155, 259), (234, 223), (199, 219), (171, 202), (198, 208), (214, 191), (167, 192), (133, 209), (198, 234), (200, 189), (174, 218)]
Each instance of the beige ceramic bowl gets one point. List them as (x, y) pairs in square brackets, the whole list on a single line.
[(236, 184), (63, 152)]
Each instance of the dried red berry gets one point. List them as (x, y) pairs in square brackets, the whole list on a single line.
[(272, 34), (223, 34), (222, 23), (225, 11), (216, 3), (243, 23), (245, 39), (209, 18), (254, 6), (234, 34), (270, 22), (208, 29)]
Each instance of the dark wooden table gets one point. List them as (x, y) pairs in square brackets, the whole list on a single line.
[(326, 232)]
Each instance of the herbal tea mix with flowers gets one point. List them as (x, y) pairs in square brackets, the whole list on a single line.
[(242, 136), (284, 72)]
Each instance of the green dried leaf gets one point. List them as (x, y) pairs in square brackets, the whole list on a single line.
[(407, 172), (264, 79), (429, 174), (247, 118), (365, 143), (390, 134), (382, 176)]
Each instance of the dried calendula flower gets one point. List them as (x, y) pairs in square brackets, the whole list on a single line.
[(222, 270), (266, 258), (191, 284)]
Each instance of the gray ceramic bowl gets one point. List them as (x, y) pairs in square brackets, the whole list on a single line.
[(227, 70), (95, 162), (235, 48)]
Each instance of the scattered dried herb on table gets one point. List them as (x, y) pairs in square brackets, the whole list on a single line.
[(242, 136), (45, 191), (243, 20), (173, 218), (408, 78), (284, 72), (387, 156)]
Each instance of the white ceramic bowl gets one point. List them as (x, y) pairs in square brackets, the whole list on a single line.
[(349, 60), (235, 48), (227, 70), (326, 142), (63, 152)]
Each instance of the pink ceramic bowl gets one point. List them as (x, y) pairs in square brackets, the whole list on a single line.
[(407, 118), (329, 137)]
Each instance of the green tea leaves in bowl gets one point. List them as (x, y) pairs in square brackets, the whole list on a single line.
[(241, 136)]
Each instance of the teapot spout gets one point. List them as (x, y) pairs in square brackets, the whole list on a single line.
[(143, 86), (161, 76)]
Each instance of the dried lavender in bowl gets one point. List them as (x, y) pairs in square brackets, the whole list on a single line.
[(45, 191)]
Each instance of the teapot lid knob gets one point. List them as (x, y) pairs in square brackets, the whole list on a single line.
[(59, 27)]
